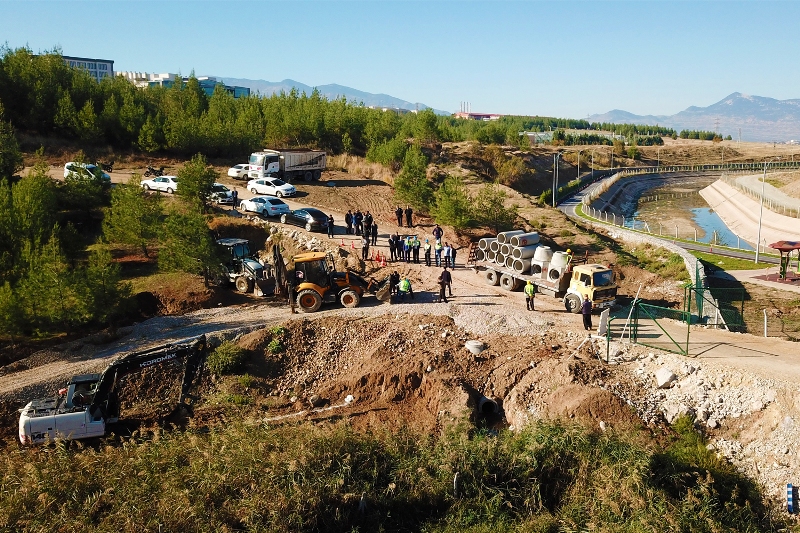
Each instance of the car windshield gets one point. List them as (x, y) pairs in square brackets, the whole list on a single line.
[(256, 159), (240, 250), (278, 183), (602, 279), (220, 188)]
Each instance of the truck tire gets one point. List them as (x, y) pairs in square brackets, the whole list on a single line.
[(308, 176), (317, 175), (244, 285), (572, 303), (350, 298), (509, 283), (309, 301), (492, 277)]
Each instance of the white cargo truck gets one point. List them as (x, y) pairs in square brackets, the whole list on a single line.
[(287, 164)]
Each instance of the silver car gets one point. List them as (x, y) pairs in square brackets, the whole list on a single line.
[(266, 206), (271, 186)]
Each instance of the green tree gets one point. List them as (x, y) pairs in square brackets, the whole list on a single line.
[(490, 208), (195, 181), (10, 155), (150, 136), (11, 319), (87, 123), (187, 244), (426, 130), (512, 171), (83, 189), (134, 217), (453, 205), (66, 118), (104, 293), (411, 186)]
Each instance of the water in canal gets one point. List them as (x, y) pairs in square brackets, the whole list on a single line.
[(713, 226)]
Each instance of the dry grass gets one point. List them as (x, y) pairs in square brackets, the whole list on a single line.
[(359, 166)]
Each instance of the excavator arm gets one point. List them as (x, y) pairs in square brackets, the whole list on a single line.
[(192, 352)]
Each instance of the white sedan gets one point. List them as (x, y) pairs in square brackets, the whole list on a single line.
[(84, 170), (271, 186), (269, 207), (239, 172), (167, 184)]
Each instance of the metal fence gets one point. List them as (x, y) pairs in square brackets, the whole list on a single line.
[(650, 325)]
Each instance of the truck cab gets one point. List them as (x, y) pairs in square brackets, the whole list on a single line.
[(593, 280)]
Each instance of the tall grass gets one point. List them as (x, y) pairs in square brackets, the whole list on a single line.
[(549, 477), (358, 166)]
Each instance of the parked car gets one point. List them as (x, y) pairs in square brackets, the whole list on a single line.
[(220, 194), (266, 206), (271, 186), (239, 172), (309, 218), (162, 183), (84, 170)]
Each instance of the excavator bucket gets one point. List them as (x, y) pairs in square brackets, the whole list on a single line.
[(384, 291)]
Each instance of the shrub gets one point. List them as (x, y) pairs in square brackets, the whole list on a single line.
[(226, 359), (275, 346)]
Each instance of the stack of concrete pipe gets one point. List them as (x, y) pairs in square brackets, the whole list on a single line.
[(511, 249)]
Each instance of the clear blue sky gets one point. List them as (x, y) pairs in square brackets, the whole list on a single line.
[(559, 58)]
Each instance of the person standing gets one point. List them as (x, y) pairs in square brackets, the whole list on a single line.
[(399, 213), (367, 222), (407, 249), (453, 256), (530, 294), (235, 197), (348, 219), (448, 280), (330, 226), (437, 248), (586, 311), (427, 248), (442, 287), (438, 232), (393, 251), (446, 253), (394, 280), (364, 247), (408, 213), (374, 233), (415, 244), (358, 220)]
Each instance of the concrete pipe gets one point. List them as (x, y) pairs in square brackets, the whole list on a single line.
[(489, 256), (559, 259), (509, 261), (505, 249), (505, 236), (543, 254), (524, 252), (494, 245), (487, 406), (480, 255), (500, 259), (521, 265), (483, 244), (526, 239)]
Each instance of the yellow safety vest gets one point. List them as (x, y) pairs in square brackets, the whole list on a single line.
[(405, 286), (530, 289)]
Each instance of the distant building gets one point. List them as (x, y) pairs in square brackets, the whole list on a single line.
[(477, 116), (398, 110), (167, 79), (98, 68)]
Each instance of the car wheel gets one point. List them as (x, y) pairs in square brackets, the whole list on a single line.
[(279, 194), (283, 219), (309, 301), (169, 190), (146, 187), (146, 173), (244, 285), (572, 303), (253, 190), (350, 298), (308, 226)]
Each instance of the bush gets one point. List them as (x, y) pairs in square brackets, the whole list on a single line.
[(226, 359), (275, 346)]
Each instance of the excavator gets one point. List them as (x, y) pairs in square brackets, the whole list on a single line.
[(317, 281), (89, 402)]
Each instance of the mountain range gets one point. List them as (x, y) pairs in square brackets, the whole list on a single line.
[(330, 91), (760, 119)]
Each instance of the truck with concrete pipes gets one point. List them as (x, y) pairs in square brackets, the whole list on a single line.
[(514, 257)]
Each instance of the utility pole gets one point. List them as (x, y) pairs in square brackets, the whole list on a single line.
[(761, 212)]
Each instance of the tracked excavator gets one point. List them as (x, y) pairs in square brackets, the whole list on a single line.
[(89, 402)]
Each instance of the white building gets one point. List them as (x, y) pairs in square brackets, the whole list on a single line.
[(98, 68)]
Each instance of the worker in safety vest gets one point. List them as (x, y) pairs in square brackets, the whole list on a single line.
[(404, 289), (530, 294), (437, 248), (415, 244), (427, 248)]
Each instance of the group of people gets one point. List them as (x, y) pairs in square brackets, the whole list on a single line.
[(408, 212), (408, 249), (363, 224), (401, 287)]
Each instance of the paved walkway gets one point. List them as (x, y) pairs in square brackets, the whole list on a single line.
[(754, 277)]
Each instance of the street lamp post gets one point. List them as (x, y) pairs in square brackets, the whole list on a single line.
[(658, 157), (761, 212), (578, 177), (555, 177), (592, 165)]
